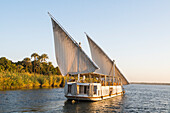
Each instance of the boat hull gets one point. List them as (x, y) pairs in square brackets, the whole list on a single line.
[(99, 98), (91, 91)]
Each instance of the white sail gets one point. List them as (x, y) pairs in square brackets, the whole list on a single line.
[(70, 57), (106, 65), (120, 75)]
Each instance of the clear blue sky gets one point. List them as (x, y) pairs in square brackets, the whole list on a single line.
[(136, 33)]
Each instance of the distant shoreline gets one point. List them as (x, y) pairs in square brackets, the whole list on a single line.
[(149, 83)]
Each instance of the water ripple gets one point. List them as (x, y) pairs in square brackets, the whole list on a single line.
[(138, 98)]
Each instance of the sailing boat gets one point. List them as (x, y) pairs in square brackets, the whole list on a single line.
[(87, 80)]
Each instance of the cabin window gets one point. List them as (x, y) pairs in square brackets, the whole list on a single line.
[(69, 88), (81, 89), (95, 90), (86, 89)]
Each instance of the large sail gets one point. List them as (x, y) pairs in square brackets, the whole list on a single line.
[(71, 59), (106, 65)]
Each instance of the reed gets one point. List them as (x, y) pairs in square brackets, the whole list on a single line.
[(10, 80)]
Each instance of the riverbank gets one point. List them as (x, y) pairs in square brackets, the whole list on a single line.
[(26, 80), (150, 83)]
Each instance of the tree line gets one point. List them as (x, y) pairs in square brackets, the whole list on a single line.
[(36, 64), (29, 73)]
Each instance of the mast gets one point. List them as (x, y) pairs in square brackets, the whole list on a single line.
[(78, 64)]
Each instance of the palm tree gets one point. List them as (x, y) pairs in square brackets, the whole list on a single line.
[(27, 62), (35, 56), (49, 67), (41, 60), (43, 57), (39, 65)]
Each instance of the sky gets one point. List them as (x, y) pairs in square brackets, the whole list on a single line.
[(135, 33)]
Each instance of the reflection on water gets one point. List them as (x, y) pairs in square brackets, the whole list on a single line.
[(138, 98), (112, 104)]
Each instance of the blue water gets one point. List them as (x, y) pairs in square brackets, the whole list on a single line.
[(138, 98)]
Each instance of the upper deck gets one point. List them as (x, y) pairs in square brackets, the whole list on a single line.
[(104, 80)]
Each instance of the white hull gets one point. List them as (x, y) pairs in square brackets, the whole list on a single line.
[(95, 93), (91, 98)]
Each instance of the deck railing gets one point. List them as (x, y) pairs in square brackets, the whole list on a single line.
[(94, 80)]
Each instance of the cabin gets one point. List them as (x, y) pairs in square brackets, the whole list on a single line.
[(93, 87)]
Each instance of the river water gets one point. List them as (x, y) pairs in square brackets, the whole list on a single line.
[(138, 98)]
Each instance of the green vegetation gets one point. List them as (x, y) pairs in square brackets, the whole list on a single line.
[(27, 80), (39, 65), (29, 74)]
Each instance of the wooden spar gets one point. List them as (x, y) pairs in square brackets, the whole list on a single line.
[(113, 71), (112, 68), (100, 78), (78, 64), (90, 78), (105, 80)]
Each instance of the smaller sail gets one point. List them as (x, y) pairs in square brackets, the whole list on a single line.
[(100, 58), (120, 75), (70, 57), (106, 65)]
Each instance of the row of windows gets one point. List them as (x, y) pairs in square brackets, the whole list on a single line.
[(83, 89)]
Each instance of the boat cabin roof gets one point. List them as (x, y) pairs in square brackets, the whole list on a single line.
[(94, 74)]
